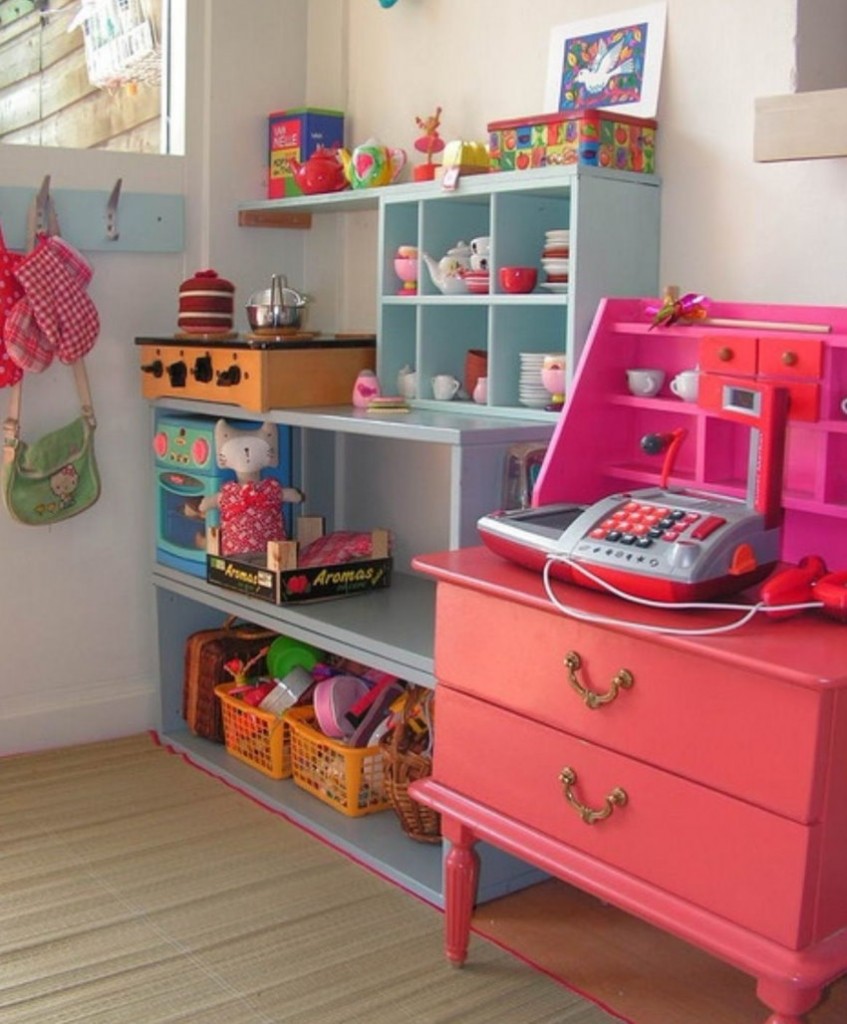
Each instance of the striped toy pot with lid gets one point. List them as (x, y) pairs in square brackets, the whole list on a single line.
[(206, 304)]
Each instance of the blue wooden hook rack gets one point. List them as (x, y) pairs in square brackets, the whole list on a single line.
[(101, 221)]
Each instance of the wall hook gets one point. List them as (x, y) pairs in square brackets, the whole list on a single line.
[(41, 217), (42, 204), (112, 232)]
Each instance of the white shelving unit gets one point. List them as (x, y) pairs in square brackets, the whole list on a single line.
[(613, 218), (341, 454), (428, 475)]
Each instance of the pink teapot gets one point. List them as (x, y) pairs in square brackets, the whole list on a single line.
[(322, 172)]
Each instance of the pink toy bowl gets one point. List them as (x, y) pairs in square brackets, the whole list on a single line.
[(518, 279), (333, 699)]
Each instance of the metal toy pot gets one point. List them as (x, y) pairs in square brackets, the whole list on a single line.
[(277, 306)]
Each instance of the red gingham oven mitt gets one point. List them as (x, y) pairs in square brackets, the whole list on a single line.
[(54, 278), (10, 293)]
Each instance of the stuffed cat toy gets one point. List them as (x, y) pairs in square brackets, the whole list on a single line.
[(250, 507)]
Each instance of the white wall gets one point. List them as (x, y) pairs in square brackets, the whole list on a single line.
[(75, 601), (731, 228), (76, 605)]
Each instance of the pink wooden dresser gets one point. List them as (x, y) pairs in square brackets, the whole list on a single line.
[(697, 782)]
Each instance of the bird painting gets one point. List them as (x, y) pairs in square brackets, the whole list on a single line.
[(604, 67)]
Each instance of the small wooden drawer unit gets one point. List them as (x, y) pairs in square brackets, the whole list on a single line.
[(697, 781), (794, 363)]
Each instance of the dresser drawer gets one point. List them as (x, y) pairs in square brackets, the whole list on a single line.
[(725, 353), (791, 357), (730, 727), (748, 865)]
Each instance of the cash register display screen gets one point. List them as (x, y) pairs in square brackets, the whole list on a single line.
[(745, 400)]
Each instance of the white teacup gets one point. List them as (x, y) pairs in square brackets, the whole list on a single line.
[(444, 387), (686, 385), (407, 383), (645, 382), (480, 246)]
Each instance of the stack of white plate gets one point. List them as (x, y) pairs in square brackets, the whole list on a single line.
[(555, 259), (531, 392)]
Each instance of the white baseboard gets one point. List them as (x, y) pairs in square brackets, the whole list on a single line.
[(48, 720)]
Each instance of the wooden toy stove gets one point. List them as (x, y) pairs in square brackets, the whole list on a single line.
[(259, 371)]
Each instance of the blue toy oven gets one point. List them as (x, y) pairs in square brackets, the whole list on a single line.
[(186, 472)]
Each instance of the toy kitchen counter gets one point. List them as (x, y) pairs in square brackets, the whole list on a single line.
[(256, 371)]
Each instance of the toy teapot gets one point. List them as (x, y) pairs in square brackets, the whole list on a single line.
[(322, 172), (463, 254), (447, 273), (372, 164)]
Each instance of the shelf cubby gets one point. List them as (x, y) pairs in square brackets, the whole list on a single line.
[(428, 479)]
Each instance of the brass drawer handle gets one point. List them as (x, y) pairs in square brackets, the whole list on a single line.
[(622, 680), (725, 354), (617, 798), (789, 358)]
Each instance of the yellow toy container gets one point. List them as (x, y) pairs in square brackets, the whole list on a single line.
[(258, 738), (350, 779)]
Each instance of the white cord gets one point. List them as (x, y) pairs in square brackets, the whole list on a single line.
[(578, 613)]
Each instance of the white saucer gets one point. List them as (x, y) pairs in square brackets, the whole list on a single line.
[(554, 286)]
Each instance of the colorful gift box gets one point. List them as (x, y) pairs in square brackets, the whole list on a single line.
[(295, 135), (595, 137)]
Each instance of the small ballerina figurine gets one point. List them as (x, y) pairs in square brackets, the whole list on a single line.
[(430, 143)]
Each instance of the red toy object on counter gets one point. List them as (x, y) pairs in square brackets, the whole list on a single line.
[(832, 591), (807, 585)]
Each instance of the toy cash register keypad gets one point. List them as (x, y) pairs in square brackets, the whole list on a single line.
[(642, 524)]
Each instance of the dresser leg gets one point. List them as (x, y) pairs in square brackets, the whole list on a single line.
[(461, 874), (788, 1003)]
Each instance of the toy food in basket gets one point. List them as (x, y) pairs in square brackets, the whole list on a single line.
[(350, 779), (256, 737)]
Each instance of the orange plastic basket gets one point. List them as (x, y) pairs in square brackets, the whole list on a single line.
[(259, 738), (350, 779)]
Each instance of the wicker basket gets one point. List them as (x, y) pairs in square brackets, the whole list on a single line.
[(404, 766), (258, 738), (350, 779)]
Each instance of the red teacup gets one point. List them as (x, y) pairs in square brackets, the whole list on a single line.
[(518, 279)]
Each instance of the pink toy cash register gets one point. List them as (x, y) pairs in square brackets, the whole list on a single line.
[(753, 471)]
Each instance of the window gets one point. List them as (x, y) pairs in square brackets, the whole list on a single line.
[(89, 74)]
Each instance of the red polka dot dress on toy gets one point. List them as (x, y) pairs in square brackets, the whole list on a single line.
[(251, 515)]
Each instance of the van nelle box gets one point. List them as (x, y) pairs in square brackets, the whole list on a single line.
[(295, 135), (594, 137)]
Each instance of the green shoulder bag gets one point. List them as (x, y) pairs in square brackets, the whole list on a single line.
[(55, 477)]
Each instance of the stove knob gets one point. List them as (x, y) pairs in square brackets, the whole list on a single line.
[(202, 369), (226, 378), (157, 368), (177, 372)]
